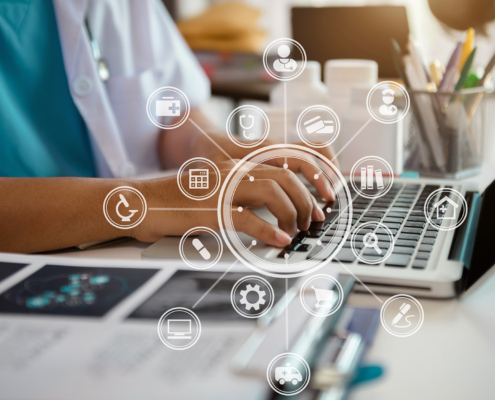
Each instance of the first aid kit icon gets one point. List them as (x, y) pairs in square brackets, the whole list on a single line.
[(167, 107)]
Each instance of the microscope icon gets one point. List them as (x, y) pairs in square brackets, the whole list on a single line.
[(126, 204)]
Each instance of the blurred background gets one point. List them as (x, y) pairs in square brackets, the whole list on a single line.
[(229, 37)]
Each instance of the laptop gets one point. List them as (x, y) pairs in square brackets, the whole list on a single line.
[(425, 262)]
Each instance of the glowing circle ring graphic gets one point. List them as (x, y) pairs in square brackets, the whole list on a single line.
[(182, 170), (264, 266), (234, 137), (187, 345), (185, 115), (284, 41), (198, 230)]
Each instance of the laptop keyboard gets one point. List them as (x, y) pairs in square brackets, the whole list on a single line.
[(401, 209)]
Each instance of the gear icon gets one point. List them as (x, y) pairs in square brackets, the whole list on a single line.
[(258, 303)]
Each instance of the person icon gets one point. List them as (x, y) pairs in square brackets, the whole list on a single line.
[(284, 64), (388, 98)]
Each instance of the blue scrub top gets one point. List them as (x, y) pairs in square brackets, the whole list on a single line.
[(42, 132)]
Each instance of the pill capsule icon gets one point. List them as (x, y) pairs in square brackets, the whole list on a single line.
[(201, 249)]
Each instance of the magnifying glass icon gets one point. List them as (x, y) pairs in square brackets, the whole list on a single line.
[(374, 242)]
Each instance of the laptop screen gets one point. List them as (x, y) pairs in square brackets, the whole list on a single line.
[(484, 250)]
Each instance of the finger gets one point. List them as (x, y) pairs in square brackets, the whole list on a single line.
[(295, 189), (249, 223), (312, 173), (317, 214), (267, 192)]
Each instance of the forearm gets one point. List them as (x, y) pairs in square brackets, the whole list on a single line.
[(42, 214), (178, 145)]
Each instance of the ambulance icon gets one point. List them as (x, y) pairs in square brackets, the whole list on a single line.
[(287, 374)]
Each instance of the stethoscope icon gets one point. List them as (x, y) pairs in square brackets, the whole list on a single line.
[(241, 119), (124, 201)]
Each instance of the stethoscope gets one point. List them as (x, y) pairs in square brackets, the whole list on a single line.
[(285, 63), (251, 135), (101, 64)]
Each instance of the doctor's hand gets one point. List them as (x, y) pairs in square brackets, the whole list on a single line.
[(179, 145), (276, 188)]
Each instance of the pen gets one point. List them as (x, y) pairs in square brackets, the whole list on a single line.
[(481, 82), (465, 71), (446, 85), (404, 308), (467, 47)]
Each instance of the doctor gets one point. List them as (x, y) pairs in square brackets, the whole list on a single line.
[(75, 76)]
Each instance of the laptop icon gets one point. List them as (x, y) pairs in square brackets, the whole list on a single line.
[(178, 329)]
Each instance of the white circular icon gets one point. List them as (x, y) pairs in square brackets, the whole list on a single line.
[(124, 207), (402, 315), (168, 107), (179, 328), (318, 126), (372, 242), (252, 296), (279, 59), (200, 183), (371, 177), (201, 252), (266, 260), (252, 124), (449, 209), (288, 374), (321, 295), (383, 99)]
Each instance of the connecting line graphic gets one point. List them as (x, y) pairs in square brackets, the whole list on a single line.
[(349, 142), (351, 139), (285, 116), (218, 280), (239, 209), (361, 282), (211, 140), (215, 284), (286, 314)]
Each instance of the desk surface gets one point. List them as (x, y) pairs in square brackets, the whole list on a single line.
[(451, 357)]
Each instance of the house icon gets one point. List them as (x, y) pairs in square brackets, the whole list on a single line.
[(441, 208)]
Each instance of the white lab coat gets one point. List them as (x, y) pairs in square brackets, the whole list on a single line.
[(144, 51)]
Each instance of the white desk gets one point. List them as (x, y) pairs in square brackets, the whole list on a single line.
[(451, 357)]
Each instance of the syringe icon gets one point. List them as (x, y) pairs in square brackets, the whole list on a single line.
[(404, 308)]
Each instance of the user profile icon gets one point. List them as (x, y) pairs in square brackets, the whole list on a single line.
[(201, 247), (179, 328), (124, 207), (388, 102), (279, 59), (402, 315), (168, 107)]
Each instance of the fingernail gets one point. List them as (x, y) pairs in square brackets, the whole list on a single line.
[(282, 238)]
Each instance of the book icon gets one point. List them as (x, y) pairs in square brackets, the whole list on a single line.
[(367, 178)]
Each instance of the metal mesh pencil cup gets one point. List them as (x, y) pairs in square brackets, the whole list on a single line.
[(443, 133)]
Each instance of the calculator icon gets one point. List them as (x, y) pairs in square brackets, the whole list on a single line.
[(198, 179)]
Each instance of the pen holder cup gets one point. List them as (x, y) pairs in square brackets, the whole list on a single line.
[(443, 133)]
